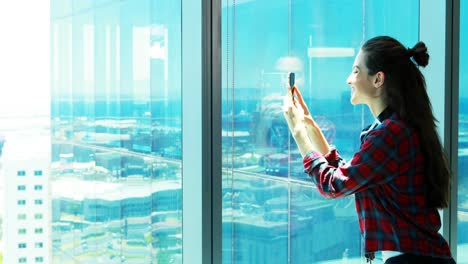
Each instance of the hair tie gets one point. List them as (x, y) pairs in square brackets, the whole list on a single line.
[(410, 52)]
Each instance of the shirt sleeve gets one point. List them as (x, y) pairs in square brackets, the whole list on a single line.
[(375, 163)]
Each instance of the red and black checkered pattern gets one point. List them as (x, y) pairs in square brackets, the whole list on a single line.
[(386, 177)]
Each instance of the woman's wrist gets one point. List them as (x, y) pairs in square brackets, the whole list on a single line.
[(318, 139), (299, 130), (303, 141)]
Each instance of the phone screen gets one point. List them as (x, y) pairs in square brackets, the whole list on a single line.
[(292, 80)]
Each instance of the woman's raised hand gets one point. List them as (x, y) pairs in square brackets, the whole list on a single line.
[(293, 113), (307, 117), (300, 120)]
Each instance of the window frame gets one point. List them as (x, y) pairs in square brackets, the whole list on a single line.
[(447, 114), (201, 89)]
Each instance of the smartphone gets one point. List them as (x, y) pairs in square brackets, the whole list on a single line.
[(292, 81)]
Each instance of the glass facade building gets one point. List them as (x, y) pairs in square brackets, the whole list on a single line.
[(166, 141), (116, 131)]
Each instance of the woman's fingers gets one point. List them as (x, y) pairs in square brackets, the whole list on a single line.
[(287, 102), (309, 120), (290, 92), (289, 116), (289, 109), (301, 102)]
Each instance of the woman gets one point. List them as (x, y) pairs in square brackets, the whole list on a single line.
[(399, 176)]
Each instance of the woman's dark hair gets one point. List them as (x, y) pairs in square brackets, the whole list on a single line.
[(405, 93)]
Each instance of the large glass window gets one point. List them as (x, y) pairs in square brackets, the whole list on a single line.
[(271, 211), (116, 125), (462, 208), (116, 130)]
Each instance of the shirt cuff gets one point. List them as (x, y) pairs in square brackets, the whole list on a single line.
[(311, 160), (333, 157)]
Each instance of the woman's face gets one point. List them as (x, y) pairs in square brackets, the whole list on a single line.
[(363, 89)]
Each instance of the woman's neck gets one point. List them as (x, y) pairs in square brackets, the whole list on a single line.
[(377, 107)]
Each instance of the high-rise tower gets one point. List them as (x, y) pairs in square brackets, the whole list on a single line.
[(26, 219)]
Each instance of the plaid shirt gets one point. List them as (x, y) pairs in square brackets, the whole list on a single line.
[(386, 177)]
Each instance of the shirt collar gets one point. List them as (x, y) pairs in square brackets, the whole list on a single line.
[(386, 113)]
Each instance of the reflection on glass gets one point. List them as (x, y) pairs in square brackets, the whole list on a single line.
[(271, 211), (462, 212), (116, 125)]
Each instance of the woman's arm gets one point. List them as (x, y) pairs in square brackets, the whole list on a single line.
[(316, 136), (304, 129), (377, 161)]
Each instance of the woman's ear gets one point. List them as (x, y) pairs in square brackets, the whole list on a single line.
[(379, 79)]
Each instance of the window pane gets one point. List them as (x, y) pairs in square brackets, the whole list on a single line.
[(116, 125), (272, 212), (22, 216), (462, 252)]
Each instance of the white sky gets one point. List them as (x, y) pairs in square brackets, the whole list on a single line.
[(24, 57)]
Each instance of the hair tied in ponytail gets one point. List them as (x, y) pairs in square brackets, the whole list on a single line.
[(410, 52), (418, 54)]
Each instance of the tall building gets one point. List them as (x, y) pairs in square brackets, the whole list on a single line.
[(26, 219), (2, 142)]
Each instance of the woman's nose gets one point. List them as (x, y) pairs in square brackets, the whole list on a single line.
[(348, 80)]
